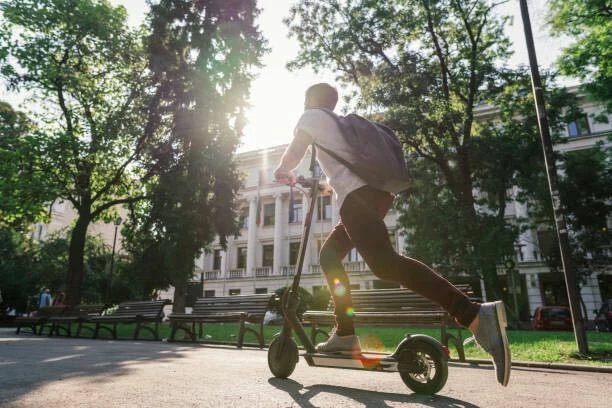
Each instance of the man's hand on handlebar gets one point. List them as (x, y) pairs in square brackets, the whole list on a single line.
[(285, 177)]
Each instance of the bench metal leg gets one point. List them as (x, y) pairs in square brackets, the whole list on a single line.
[(137, 331), (173, 331), (241, 333), (193, 331), (261, 335), (315, 331), (446, 338)]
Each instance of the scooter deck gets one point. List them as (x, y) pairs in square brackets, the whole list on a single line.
[(374, 362)]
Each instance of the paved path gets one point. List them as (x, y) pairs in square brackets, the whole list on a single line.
[(47, 372)]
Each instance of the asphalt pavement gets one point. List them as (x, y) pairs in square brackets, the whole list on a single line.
[(38, 371)]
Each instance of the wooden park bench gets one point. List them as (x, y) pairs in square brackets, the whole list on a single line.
[(244, 309), (393, 308), (38, 320), (145, 314), (75, 315)]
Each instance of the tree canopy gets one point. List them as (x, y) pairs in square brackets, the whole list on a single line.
[(589, 57), (201, 58), (422, 68), (87, 72), (22, 186)]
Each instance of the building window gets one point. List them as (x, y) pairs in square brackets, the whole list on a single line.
[(243, 218), (259, 291), (294, 250), (295, 212), (242, 255), (234, 292), (268, 255), (320, 243), (209, 293), (217, 260), (393, 240), (268, 214), (353, 255), (578, 127), (59, 207), (324, 208)]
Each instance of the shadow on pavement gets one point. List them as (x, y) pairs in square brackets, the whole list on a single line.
[(303, 394), (29, 362)]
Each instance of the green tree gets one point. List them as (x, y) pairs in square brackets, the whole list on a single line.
[(201, 57), (505, 152), (26, 266), (586, 187), (422, 67), (587, 190), (22, 186), (17, 280), (589, 58), (87, 72)]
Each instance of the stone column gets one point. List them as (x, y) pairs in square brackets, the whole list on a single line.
[(526, 239), (334, 210), (252, 237), (534, 294), (226, 258), (305, 206), (279, 222)]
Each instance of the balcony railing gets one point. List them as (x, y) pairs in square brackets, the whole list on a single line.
[(236, 273), (212, 275), (288, 270), (315, 269), (263, 271), (358, 266)]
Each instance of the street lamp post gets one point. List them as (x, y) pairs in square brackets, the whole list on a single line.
[(117, 223), (551, 172)]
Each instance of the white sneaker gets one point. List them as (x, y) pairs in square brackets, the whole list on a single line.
[(340, 344)]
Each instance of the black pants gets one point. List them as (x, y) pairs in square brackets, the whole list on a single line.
[(361, 226)]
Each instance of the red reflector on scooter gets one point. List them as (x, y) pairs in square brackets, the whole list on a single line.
[(445, 348)]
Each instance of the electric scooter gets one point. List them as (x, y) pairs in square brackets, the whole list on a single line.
[(421, 360)]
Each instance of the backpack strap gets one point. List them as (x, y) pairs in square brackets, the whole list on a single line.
[(331, 153), (337, 157)]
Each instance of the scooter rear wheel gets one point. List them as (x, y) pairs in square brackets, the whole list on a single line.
[(282, 356), (423, 368)]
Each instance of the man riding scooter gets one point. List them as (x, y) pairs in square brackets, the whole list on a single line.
[(362, 210)]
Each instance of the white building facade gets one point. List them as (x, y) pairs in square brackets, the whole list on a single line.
[(262, 258)]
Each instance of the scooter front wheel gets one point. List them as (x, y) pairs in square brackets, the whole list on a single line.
[(282, 356), (423, 368)]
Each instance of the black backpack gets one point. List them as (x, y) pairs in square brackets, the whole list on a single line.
[(378, 157)]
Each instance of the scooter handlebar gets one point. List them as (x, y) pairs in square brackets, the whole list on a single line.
[(306, 182)]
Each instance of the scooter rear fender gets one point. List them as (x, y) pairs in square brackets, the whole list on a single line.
[(411, 339)]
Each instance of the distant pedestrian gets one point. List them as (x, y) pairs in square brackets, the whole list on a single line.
[(45, 299), (59, 300)]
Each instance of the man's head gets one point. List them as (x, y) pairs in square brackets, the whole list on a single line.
[(321, 95)]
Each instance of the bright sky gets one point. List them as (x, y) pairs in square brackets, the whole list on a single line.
[(277, 94)]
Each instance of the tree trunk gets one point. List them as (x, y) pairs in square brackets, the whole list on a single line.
[(491, 281), (178, 303), (76, 260), (183, 276)]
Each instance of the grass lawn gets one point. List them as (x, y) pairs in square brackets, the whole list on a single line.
[(526, 345)]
